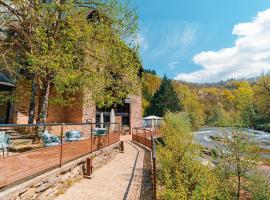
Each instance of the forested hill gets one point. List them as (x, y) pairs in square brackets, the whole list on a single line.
[(219, 83), (242, 102)]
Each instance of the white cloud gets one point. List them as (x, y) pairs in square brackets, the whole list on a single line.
[(250, 56), (169, 40), (181, 37), (173, 64), (141, 42), (188, 36)]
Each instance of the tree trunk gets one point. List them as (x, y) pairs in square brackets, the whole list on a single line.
[(44, 102), (32, 101), (239, 182), (43, 108)]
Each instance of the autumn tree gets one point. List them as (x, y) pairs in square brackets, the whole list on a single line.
[(244, 102), (262, 102), (191, 104), (150, 84)]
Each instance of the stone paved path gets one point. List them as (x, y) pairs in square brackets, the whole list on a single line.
[(119, 179)]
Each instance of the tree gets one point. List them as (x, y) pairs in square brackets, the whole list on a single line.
[(165, 99), (150, 85), (244, 102), (58, 44), (219, 116), (262, 102), (191, 104), (237, 160)]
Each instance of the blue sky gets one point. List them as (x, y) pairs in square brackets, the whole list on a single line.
[(174, 34)]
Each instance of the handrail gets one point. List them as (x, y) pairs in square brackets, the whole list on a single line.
[(148, 141), (154, 158), (52, 124), (142, 128)]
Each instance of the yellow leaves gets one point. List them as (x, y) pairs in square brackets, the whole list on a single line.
[(151, 82)]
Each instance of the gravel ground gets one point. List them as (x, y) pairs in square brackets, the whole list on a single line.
[(119, 179)]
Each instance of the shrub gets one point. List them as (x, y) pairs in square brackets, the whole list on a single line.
[(182, 175)]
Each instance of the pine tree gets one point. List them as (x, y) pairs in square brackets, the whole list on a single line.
[(164, 100)]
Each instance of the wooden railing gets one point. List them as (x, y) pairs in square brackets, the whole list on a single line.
[(21, 166), (147, 137)]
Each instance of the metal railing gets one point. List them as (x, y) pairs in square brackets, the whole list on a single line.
[(147, 137), (19, 166)]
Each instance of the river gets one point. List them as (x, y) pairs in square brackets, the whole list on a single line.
[(203, 137)]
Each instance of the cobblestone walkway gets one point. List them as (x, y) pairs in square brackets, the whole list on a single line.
[(119, 179)]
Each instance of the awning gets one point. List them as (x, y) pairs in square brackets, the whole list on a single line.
[(151, 117), (6, 80), (6, 84)]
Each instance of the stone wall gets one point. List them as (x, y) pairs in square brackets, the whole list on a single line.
[(51, 184), (135, 111), (88, 110)]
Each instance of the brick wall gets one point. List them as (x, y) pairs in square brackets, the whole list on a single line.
[(21, 105), (81, 112)]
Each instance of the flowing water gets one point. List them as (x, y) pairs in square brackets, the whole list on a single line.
[(205, 137)]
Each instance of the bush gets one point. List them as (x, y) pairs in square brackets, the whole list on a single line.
[(182, 175)]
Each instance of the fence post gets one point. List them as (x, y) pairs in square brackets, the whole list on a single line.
[(121, 146), (91, 138), (144, 137), (108, 138), (61, 151), (108, 133), (89, 168)]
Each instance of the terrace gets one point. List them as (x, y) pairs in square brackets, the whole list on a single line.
[(22, 170)]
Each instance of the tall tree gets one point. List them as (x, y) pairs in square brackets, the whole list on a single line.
[(165, 99), (59, 44)]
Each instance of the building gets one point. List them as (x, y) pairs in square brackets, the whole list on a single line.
[(128, 115), (6, 85)]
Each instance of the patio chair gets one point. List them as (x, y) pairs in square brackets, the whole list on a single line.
[(73, 135), (49, 139), (99, 131), (4, 142)]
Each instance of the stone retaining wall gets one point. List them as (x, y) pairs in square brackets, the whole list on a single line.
[(55, 182)]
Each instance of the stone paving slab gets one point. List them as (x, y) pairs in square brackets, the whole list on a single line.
[(119, 179)]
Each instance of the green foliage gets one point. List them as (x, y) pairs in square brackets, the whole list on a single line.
[(262, 103), (164, 100), (219, 117), (149, 71), (182, 175), (258, 186), (55, 44), (6, 96), (237, 160)]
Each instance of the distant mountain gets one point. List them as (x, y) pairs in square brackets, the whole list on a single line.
[(220, 83)]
